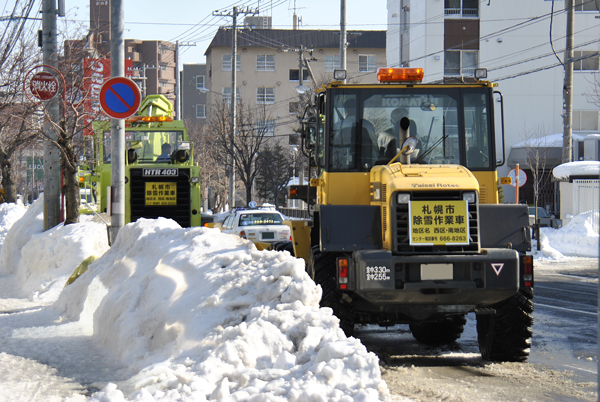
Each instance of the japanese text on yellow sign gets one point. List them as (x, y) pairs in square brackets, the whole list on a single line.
[(161, 193), (439, 222)]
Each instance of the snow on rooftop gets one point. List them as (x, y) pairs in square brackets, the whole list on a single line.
[(577, 168), (551, 140)]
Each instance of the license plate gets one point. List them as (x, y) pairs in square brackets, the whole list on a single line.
[(436, 272), (268, 235)]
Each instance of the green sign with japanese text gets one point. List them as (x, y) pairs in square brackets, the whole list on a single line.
[(438, 222)]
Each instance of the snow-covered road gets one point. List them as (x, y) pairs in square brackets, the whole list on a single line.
[(562, 365), (169, 314)]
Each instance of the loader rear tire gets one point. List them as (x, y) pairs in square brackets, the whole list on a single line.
[(284, 246), (322, 266), (506, 335)]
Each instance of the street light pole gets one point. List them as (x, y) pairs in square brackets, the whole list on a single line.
[(231, 174), (52, 212), (568, 86), (117, 165)]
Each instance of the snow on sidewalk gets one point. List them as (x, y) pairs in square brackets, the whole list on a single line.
[(187, 314)]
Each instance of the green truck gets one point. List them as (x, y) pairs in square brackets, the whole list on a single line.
[(161, 178)]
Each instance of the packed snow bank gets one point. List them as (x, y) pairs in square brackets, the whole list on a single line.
[(9, 214), (577, 238), (205, 315), (42, 261)]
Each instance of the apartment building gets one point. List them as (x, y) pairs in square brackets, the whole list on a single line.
[(511, 38), (268, 69), (193, 93), (154, 68)]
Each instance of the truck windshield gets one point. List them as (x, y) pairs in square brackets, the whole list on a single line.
[(150, 146), (452, 126)]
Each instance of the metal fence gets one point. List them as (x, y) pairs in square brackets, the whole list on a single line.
[(587, 198), (295, 213)]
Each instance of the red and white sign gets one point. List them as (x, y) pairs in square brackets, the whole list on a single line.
[(522, 177), (96, 72), (44, 86)]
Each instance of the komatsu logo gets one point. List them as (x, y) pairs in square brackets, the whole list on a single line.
[(406, 102)]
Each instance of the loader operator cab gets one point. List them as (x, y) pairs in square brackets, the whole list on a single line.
[(147, 146), (453, 125)]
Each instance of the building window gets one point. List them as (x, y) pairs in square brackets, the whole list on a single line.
[(163, 67), (201, 111), (460, 62), (164, 84), (585, 120), (331, 63), (585, 5), (200, 81), (464, 8), (265, 95), (226, 66), (367, 62), (584, 60), (226, 92), (295, 76), (265, 62), (265, 128)]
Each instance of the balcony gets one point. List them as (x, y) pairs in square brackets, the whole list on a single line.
[(462, 12)]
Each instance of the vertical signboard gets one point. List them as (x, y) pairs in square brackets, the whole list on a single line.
[(97, 71)]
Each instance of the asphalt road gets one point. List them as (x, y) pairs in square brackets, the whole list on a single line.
[(566, 317), (562, 365)]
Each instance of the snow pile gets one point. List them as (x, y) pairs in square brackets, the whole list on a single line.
[(9, 214), (42, 261), (205, 315), (576, 238), (577, 168)]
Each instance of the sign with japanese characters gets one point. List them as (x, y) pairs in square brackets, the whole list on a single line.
[(438, 223), (161, 193), (44, 86)]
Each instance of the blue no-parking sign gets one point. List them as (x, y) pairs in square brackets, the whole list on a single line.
[(120, 97)]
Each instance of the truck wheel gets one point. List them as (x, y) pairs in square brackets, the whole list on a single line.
[(322, 266), (439, 333), (506, 335), (284, 246)]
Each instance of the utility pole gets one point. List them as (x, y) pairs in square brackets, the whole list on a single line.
[(117, 132), (343, 38), (178, 102), (568, 86), (52, 212), (232, 109)]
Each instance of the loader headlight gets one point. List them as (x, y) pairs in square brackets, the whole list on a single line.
[(181, 155), (403, 198), (469, 197), (195, 180)]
